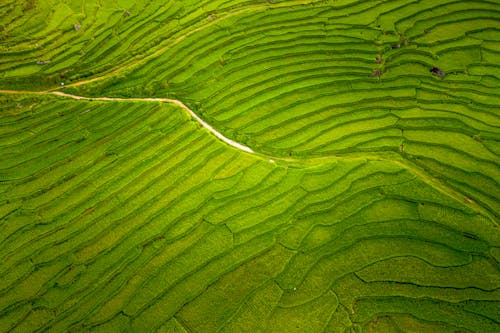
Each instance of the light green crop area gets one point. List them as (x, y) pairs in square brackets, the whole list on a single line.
[(370, 202)]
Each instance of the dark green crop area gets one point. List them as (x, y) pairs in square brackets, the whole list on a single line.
[(370, 202)]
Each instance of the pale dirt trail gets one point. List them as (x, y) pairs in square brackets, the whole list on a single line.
[(396, 159), (166, 100)]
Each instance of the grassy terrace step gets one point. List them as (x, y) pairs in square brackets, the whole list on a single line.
[(370, 203), (116, 238)]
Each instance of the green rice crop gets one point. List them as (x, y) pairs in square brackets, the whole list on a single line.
[(368, 202)]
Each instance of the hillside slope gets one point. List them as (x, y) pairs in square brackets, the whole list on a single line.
[(367, 199), (127, 215)]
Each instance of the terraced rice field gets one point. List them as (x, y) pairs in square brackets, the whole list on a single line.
[(249, 166)]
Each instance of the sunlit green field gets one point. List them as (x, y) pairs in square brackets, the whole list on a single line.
[(369, 200)]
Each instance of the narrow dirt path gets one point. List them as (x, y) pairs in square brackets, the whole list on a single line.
[(166, 100)]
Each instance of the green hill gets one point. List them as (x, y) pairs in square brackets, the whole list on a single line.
[(367, 200)]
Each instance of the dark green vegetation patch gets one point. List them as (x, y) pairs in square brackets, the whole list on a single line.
[(370, 202)]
